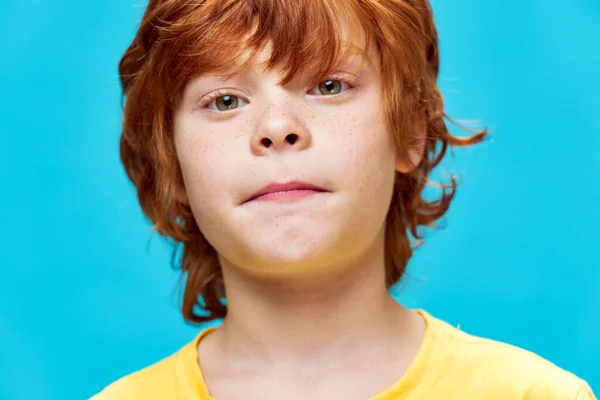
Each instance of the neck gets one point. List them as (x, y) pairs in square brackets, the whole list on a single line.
[(312, 318)]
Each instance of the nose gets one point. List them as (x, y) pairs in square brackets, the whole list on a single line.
[(280, 128)]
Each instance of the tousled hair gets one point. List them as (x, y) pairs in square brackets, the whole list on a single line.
[(178, 40)]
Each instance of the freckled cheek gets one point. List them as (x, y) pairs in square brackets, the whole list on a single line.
[(205, 169), (363, 154)]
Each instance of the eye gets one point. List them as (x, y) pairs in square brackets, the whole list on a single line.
[(330, 87), (221, 101)]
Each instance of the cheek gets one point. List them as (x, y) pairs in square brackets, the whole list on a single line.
[(205, 173), (360, 159), (365, 154)]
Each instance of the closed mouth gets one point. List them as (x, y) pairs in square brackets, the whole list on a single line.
[(286, 187)]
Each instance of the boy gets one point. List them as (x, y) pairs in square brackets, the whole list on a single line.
[(285, 144)]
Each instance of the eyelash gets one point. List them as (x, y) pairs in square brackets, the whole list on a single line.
[(224, 92)]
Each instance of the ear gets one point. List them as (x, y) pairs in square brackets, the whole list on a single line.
[(408, 159)]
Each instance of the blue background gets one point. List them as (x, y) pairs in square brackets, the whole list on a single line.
[(84, 300)]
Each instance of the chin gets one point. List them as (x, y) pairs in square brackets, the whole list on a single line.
[(281, 252)]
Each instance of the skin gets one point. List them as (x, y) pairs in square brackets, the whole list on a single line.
[(304, 279)]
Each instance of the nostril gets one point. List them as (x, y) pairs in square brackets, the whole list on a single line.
[(266, 142), (292, 138)]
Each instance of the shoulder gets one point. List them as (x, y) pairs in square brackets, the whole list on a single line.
[(141, 384), (161, 380), (503, 370)]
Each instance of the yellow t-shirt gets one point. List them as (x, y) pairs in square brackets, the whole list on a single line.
[(450, 364)]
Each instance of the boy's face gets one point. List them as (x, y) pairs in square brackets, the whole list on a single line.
[(332, 135)]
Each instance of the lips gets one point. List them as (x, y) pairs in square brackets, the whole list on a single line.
[(284, 187)]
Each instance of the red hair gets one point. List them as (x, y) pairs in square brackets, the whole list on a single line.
[(178, 40)]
